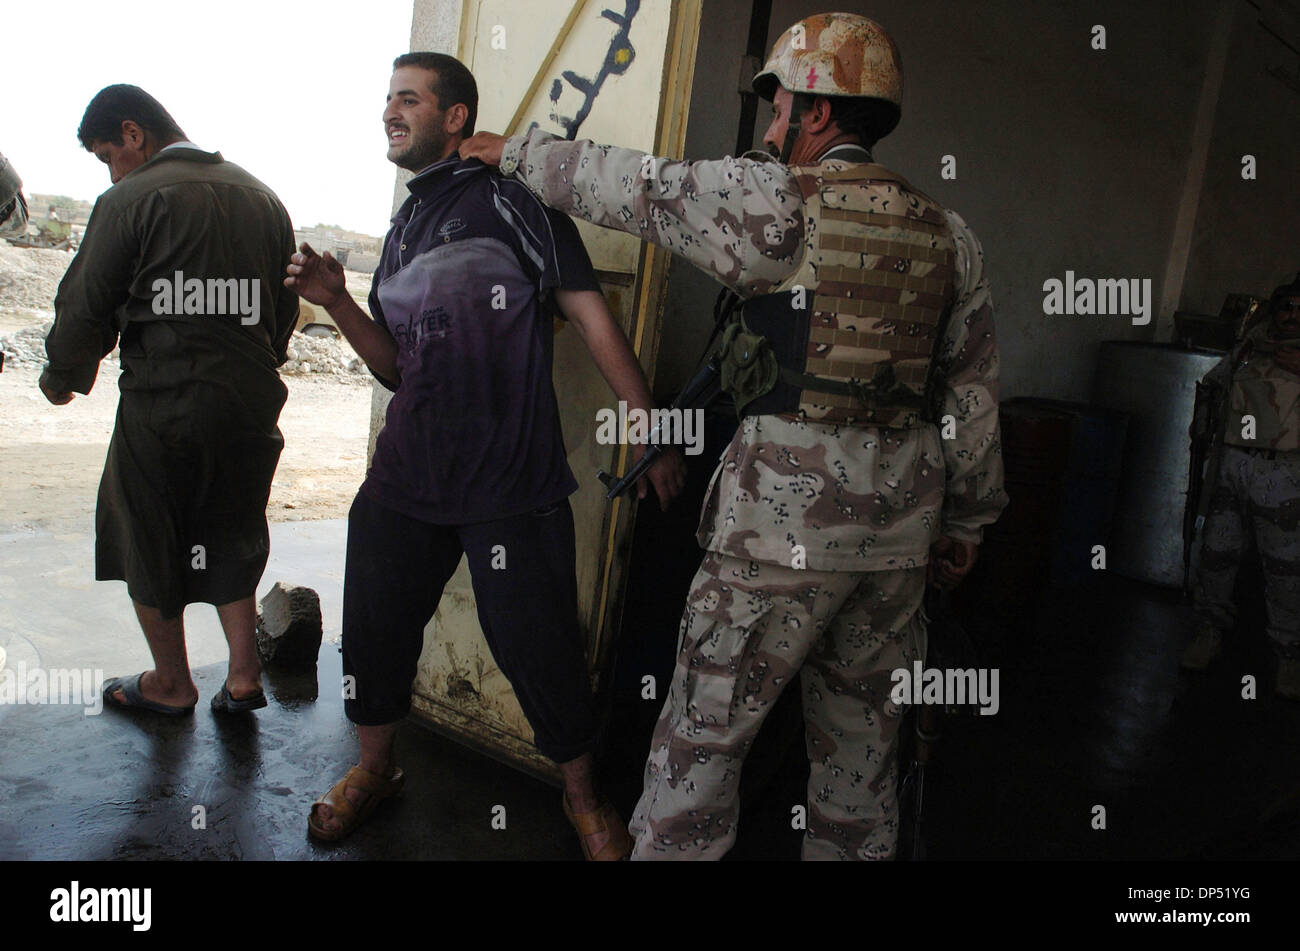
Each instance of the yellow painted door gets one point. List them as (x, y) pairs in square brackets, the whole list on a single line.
[(616, 71)]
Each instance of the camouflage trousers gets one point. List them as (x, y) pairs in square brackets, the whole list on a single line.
[(1256, 501), (748, 628)]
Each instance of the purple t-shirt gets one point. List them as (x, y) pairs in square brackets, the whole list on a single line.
[(473, 429)]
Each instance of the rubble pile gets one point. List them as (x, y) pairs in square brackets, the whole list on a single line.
[(29, 278), (26, 347), (324, 355), (307, 355)]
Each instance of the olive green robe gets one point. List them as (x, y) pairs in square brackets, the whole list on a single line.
[(184, 258)]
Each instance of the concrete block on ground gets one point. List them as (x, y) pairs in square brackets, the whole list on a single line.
[(289, 627)]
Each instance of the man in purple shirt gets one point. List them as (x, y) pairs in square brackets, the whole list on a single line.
[(471, 458)]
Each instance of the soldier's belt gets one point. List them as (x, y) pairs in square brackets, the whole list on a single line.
[(883, 388)]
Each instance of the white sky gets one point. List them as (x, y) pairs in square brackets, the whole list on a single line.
[(291, 91)]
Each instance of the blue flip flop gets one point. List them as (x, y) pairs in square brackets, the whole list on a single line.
[(135, 700), (225, 703)]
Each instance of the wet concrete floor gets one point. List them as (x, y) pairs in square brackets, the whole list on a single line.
[(1094, 712), (1097, 713), (125, 785)]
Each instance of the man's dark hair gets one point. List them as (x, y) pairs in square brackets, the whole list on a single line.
[(452, 83), (868, 119), (114, 105)]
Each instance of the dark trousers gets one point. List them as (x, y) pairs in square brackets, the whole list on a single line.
[(397, 568)]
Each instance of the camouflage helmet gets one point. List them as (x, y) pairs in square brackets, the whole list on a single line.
[(834, 54)]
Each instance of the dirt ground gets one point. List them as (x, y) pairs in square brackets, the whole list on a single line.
[(51, 457)]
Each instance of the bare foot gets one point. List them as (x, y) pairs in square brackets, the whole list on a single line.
[(324, 813), (243, 689), (148, 687)]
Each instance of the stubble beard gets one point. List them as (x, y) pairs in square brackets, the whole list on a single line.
[(423, 152)]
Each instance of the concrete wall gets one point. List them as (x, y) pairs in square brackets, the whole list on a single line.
[(1068, 158), (1247, 235), (710, 133)]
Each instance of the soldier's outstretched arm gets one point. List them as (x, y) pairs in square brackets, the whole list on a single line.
[(739, 219), (974, 495)]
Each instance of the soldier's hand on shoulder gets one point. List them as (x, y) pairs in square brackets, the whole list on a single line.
[(484, 146)]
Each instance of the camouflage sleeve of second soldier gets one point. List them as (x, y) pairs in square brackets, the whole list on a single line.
[(739, 219), (974, 495)]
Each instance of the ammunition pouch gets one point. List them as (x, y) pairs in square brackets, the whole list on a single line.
[(748, 368), (761, 356), (854, 334)]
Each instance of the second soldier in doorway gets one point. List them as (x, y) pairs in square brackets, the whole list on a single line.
[(837, 495), (1255, 499)]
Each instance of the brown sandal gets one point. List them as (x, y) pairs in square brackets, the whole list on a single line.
[(604, 818), (349, 816)]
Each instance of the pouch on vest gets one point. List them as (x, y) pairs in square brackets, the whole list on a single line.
[(759, 354), (856, 328), (747, 365)]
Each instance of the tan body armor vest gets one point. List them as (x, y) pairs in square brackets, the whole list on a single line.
[(856, 328)]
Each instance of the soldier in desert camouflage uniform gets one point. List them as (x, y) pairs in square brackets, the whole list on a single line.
[(837, 493), (1257, 495)]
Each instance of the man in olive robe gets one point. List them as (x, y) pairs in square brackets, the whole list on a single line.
[(181, 260)]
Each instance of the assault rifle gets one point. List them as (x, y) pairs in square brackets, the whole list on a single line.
[(950, 647), (1209, 416), (692, 396)]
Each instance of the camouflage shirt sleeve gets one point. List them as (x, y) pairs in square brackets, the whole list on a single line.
[(739, 219), (974, 495)]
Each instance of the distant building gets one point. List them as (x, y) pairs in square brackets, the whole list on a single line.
[(358, 252)]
